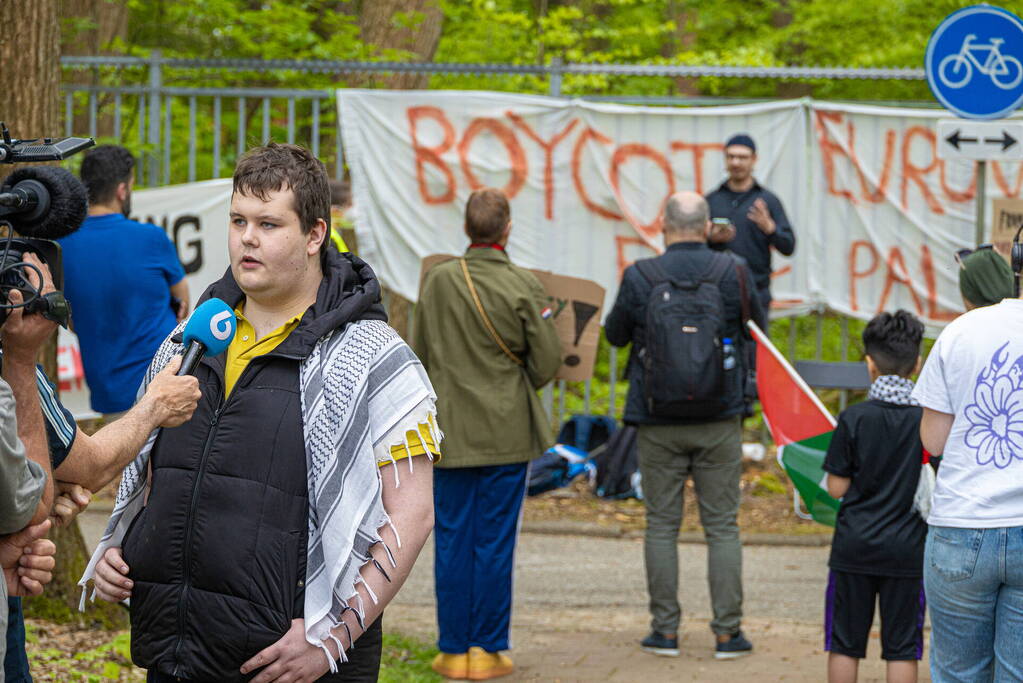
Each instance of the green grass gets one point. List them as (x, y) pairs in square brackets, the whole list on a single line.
[(110, 661), (406, 659), (403, 660)]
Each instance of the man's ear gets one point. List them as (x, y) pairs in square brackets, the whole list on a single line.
[(316, 237), (707, 229), (507, 232), (123, 189)]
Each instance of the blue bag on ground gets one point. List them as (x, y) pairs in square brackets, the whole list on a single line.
[(586, 432), (557, 467)]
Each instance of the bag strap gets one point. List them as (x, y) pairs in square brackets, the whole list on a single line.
[(744, 300), (485, 318), (718, 267), (652, 271)]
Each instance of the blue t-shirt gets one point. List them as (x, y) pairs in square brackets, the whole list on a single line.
[(117, 276)]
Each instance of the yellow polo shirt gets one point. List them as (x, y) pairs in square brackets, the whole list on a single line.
[(245, 346)]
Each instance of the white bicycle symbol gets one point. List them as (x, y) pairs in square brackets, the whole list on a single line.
[(956, 70)]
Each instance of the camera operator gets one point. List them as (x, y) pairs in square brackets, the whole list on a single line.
[(80, 463), (26, 482)]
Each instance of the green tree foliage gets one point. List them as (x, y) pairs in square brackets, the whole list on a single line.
[(891, 33)]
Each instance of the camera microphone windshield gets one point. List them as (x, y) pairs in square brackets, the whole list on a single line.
[(208, 333), (43, 201)]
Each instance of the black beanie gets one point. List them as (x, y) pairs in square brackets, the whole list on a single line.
[(742, 139)]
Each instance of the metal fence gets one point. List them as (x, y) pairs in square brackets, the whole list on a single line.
[(190, 133)]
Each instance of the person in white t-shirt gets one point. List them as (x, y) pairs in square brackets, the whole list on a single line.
[(971, 389)]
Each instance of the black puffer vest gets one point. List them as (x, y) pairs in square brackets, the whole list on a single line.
[(218, 553)]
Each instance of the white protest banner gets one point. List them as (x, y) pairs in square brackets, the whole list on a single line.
[(195, 218), (587, 182), (877, 215), (887, 214)]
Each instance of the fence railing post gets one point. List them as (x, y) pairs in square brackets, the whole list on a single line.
[(556, 71), (155, 85)]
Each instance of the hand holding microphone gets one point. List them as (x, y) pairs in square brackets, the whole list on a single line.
[(174, 392)]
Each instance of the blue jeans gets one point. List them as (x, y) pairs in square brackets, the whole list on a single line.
[(974, 584)]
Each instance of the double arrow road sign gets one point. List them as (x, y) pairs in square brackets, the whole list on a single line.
[(980, 140)]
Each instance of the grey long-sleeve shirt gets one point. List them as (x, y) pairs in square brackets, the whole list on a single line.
[(21, 480), (21, 485)]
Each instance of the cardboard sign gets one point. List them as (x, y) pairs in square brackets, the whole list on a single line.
[(575, 305), (1006, 219)]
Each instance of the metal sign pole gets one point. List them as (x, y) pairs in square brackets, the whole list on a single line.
[(981, 201)]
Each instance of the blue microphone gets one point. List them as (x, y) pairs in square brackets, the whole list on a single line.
[(208, 333)]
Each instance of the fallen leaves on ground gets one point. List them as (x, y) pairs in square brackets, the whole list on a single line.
[(61, 653)]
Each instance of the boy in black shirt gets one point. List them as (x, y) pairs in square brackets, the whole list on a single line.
[(873, 464)]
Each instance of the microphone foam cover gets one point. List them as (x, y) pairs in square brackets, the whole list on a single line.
[(213, 324), (69, 202)]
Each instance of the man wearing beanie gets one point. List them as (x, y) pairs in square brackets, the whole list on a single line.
[(757, 216), (984, 279)]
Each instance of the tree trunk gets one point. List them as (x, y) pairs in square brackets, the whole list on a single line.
[(411, 26), (29, 81), (683, 39), (97, 23), (30, 77), (780, 18), (101, 22)]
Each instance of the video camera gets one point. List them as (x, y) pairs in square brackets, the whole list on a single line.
[(42, 204)]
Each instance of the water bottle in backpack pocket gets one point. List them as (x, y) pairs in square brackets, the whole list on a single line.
[(687, 367)]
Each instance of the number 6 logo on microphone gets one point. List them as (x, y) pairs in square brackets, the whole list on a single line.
[(222, 325)]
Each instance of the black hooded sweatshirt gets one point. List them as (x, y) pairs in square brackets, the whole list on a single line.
[(217, 555)]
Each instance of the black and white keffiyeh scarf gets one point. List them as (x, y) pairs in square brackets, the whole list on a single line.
[(363, 390), (892, 389)]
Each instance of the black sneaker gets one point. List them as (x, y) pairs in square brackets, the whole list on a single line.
[(659, 644), (738, 646)]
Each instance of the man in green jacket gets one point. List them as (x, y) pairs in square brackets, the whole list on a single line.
[(485, 335)]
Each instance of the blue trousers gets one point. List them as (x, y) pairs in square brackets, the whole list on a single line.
[(15, 664), (476, 523)]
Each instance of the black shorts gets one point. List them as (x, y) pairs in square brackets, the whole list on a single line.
[(849, 614), (363, 665)]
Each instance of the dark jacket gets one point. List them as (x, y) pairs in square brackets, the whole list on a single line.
[(218, 553), (627, 322), (750, 241)]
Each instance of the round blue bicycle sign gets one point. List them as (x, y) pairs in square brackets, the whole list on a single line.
[(974, 62)]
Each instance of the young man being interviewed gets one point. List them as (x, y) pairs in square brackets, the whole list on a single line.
[(265, 543)]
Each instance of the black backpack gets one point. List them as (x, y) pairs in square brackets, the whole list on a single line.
[(683, 361)]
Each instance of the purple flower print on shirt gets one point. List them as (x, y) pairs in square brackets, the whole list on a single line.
[(996, 414)]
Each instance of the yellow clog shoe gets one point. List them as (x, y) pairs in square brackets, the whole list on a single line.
[(455, 667), (485, 665)]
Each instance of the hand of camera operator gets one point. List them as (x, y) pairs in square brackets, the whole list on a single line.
[(168, 402), (70, 501), (27, 560), (22, 336)]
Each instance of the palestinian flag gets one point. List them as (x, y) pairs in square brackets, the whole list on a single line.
[(800, 425)]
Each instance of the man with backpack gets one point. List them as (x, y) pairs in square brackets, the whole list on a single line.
[(685, 313)]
